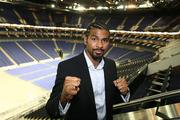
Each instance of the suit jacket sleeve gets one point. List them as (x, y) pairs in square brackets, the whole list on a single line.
[(52, 105)]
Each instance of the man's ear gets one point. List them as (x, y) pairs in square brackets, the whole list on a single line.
[(85, 39)]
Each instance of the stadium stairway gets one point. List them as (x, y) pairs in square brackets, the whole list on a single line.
[(159, 83)]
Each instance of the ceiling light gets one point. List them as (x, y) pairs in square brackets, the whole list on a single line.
[(53, 5), (131, 6), (80, 8)]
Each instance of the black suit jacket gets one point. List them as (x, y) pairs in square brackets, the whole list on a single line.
[(83, 104)]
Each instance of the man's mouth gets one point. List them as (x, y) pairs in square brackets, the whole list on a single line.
[(99, 51)]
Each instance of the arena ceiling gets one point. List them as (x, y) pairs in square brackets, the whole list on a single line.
[(109, 3)]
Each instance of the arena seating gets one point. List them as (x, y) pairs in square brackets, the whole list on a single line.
[(140, 21), (37, 50), (48, 47), (33, 50), (4, 60), (15, 52)]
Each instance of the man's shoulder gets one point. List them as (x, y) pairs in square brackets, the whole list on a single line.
[(109, 63), (108, 60), (72, 60)]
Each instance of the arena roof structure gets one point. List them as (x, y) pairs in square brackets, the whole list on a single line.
[(83, 5)]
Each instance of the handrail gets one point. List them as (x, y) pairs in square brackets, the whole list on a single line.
[(147, 99), (135, 74)]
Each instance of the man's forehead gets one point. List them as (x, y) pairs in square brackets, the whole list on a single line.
[(96, 31)]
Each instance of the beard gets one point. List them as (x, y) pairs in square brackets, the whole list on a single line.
[(98, 54)]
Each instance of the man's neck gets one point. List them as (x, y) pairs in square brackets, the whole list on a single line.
[(95, 62)]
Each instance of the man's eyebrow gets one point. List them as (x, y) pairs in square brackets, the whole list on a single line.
[(92, 35), (106, 38)]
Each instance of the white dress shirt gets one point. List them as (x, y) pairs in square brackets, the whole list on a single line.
[(98, 84)]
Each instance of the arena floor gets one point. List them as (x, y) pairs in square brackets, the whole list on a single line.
[(26, 87)]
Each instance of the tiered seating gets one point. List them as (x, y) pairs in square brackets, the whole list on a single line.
[(173, 25), (116, 20), (127, 68), (43, 18), (131, 21), (48, 47), (33, 50), (15, 52), (8, 14), (65, 46), (152, 42), (163, 21), (58, 19), (86, 20), (102, 18), (28, 17), (79, 48), (38, 50), (148, 20), (41, 50), (117, 53), (135, 54), (72, 21), (125, 21), (4, 61)]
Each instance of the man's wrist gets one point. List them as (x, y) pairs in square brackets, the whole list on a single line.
[(65, 98), (125, 93)]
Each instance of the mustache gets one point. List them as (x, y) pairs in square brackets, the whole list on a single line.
[(98, 50)]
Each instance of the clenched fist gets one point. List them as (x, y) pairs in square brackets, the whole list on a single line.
[(121, 85), (70, 88)]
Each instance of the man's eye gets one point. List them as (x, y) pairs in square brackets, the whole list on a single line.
[(105, 40), (93, 39)]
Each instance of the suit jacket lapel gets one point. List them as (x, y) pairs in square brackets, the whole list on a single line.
[(108, 85), (86, 79), (88, 85)]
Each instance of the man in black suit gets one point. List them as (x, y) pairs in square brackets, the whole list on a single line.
[(87, 86)]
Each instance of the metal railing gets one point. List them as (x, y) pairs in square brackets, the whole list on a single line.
[(148, 99)]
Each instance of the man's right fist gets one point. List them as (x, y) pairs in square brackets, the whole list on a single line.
[(70, 88)]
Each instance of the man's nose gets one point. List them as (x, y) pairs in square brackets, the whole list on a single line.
[(99, 44)]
